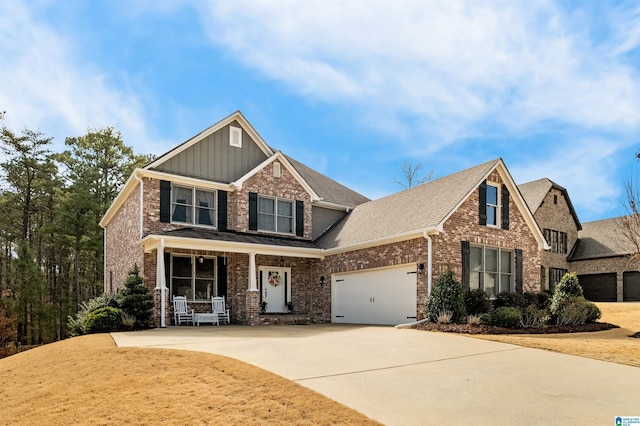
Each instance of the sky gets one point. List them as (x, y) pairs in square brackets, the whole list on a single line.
[(353, 89)]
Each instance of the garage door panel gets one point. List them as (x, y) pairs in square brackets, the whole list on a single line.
[(599, 287), (381, 296), (631, 286)]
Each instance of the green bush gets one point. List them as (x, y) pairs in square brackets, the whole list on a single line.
[(505, 316), (76, 323), (476, 302), (577, 310), (447, 295), (533, 317), (507, 299), (541, 300), (103, 320), (136, 300), (567, 288)]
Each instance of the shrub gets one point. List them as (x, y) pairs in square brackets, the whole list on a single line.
[(507, 299), (541, 300), (447, 295), (103, 320), (505, 316), (476, 302), (444, 317), (474, 320), (567, 288), (533, 317), (76, 323), (136, 300), (577, 310)]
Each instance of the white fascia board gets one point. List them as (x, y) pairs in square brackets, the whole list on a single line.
[(185, 180), (419, 233), (124, 193), (522, 206), (152, 242), (279, 157), (236, 116), (332, 206)]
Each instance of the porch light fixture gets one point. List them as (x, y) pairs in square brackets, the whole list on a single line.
[(420, 268), (201, 259), (321, 280), (281, 262)]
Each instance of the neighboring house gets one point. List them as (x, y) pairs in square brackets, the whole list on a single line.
[(552, 209), (226, 214), (604, 260)]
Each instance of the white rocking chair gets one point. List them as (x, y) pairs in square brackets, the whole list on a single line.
[(218, 307), (181, 311)]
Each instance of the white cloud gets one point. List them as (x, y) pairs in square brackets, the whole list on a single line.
[(452, 65), (44, 85)]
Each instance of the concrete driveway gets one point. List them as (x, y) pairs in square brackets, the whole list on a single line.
[(402, 377)]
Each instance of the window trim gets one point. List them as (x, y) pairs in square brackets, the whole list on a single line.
[(557, 240), (552, 274), (498, 272), (275, 214), (194, 208), (193, 277), (497, 206)]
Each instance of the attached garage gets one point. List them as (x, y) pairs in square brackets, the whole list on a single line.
[(631, 287), (600, 287), (376, 296)]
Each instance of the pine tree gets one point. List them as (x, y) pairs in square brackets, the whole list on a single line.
[(136, 299)]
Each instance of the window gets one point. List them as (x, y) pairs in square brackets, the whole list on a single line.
[(555, 275), (193, 277), (492, 205), (275, 215), (491, 269), (557, 240), (193, 206)]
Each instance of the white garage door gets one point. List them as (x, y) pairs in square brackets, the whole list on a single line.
[(376, 296)]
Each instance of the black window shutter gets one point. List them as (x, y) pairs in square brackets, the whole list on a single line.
[(299, 218), (519, 271), (253, 211), (222, 277), (483, 203), (165, 201), (505, 207), (222, 210), (466, 266)]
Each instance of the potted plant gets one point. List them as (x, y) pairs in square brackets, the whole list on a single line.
[(263, 307), (290, 306)]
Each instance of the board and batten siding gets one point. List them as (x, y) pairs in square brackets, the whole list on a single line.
[(324, 218), (214, 159)]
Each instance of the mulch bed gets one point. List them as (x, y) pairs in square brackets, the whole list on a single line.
[(489, 329)]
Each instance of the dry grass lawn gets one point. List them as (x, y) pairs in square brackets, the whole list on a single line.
[(612, 345), (88, 380)]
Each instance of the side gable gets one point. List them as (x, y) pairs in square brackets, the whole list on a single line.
[(536, 191), (217, 154)]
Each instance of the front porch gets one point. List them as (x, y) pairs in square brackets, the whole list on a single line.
[(247, 275)]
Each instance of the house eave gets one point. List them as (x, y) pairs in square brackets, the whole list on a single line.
[(152, 242), (419, 233)]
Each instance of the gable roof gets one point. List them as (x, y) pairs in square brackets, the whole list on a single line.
[(534, 193), (236, 116), (328, 190), (601, 239), (418, 210)]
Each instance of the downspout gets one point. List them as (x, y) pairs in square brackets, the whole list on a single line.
[(429, 280)]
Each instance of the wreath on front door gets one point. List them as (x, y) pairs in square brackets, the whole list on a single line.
[(275, 279)]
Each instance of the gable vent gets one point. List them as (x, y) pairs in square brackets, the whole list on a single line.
[(276, 169), (235, 136)]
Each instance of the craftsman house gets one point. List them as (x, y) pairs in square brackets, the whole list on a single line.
[(225, 214)]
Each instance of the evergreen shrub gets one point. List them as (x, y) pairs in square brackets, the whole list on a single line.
[(447, 295)]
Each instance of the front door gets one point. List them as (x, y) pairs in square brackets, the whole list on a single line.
[(275, 287)]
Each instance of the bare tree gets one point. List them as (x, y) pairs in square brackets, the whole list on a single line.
[(630, 224), (410, 177)]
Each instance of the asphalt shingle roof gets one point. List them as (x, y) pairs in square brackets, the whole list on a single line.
[(408, 211), (601, 239), (237, 237)]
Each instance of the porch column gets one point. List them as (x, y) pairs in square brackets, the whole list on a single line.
[(253, 283), (161, 283)]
